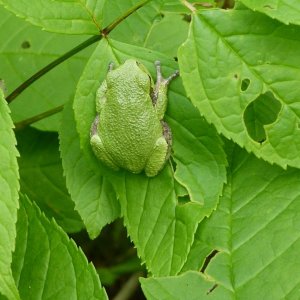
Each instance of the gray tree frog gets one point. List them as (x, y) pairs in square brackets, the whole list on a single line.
[(128, 131)]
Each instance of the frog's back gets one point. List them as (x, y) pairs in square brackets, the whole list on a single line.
[(129, 125)]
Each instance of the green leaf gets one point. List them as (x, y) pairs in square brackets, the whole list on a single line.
[(282, 10), (227, 63), (24, 50), (169, 223), (187, 126), (9, 187), (256, 231), (158, 192), (71, 16), (151, 26), (188, 286), (198, 153), (167, 33), (47, 264), (162, 230), (40, 159), (91, 192)]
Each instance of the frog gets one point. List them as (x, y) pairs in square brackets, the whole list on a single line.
[(128, 131)]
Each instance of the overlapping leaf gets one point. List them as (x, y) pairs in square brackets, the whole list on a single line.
[(9, 187), (256, 230), (154, 220), (73, 17), (232, 59), (47, 264)]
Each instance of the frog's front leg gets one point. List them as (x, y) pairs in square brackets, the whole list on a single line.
[(161, 152), (161, 88), (97, 146)]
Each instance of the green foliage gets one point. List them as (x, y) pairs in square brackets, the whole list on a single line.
[(218, 221), (9, 187), (47, 264)]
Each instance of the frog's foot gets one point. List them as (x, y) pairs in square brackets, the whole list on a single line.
[(158, 158), (160, 80), (98, 148), (159, 95)]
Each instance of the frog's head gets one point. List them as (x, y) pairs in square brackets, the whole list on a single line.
[(134, 67), (137, 71)]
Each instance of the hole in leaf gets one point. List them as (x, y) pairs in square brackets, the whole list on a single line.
[(236, 76), (245, 84), (262, 111), (208, 259), (25, 45), (187, 18)]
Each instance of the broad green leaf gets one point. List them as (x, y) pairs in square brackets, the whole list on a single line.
[(227, 63), (282, 10), (187, 125), (91, 192), (161, 229), (256, 231), (40, 159), (199, 254), (188, 286), (197, 151), (24, 50), (9, 187), (71, 16), (167, 34), (47, 264), (149, 206)]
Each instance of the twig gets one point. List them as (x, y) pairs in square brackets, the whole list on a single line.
[(129, 287)]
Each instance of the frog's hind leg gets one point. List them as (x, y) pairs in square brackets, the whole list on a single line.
[(98, 148), (161, 152)]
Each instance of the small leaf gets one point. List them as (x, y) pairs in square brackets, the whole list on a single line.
[(92, 193), (9, 187), (47, 264), (70, 16), (214, 74)]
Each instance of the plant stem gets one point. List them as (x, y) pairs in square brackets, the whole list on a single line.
[(111, 26), (129, 287), (73, 51), (24, 123), (50, 66)]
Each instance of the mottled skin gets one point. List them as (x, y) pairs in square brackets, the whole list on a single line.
[(128, 131)]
